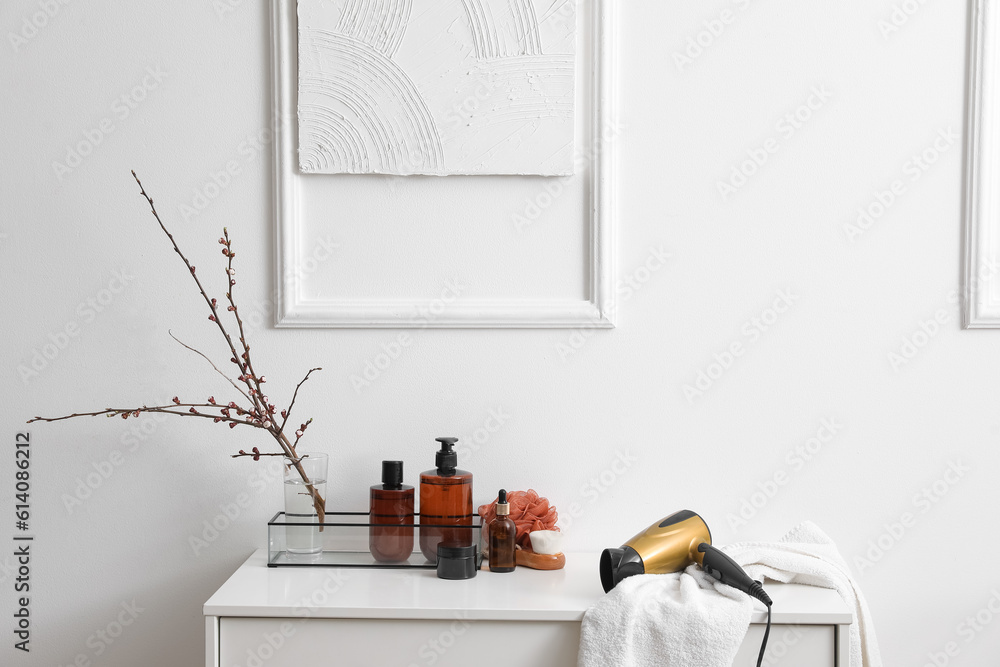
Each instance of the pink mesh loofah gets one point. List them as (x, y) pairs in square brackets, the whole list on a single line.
[(528, 511)]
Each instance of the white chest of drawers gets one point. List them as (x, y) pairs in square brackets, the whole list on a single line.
[(289, 617)]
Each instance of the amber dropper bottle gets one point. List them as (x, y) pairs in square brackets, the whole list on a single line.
[(502, 535)]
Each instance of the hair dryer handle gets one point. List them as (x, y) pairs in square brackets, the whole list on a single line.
[(725, 569)]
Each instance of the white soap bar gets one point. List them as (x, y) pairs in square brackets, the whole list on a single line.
[(546, 541)]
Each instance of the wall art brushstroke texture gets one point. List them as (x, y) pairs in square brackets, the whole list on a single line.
[(436, 86)]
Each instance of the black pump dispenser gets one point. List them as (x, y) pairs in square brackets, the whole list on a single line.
[(446, 458)]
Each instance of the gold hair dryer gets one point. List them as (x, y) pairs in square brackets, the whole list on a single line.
[(670, 546)]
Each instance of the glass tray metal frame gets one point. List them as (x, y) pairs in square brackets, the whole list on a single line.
[(345, 542)]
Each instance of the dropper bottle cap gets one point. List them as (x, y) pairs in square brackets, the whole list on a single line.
[(503, 507)]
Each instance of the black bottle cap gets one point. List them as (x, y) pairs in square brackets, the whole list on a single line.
[(392, 474), (456, 562), (503, 507), (446, 458)]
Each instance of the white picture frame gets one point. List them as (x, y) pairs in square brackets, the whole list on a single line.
[(596, 311), (981, 253)]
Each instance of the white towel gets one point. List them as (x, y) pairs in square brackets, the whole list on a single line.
[(686, 619), (806, 555)]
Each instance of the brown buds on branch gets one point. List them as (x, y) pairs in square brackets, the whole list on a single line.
[(258, 411)]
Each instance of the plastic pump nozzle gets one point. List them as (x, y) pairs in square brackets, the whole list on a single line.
[(446, 458)]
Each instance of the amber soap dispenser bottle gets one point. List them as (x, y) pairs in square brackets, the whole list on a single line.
[(502, 534), (391, 505), (445, 501)]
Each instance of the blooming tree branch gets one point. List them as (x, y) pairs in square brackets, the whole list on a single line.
[(257, 412)]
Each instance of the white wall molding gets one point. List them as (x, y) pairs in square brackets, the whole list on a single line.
[(597, 311), (981, 294)]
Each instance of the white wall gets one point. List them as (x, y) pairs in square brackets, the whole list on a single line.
[(569, 419)]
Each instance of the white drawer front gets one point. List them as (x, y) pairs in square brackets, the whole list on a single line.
[(790, 646), (277, 642)]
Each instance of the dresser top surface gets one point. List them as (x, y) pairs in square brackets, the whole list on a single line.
[(560, 595)]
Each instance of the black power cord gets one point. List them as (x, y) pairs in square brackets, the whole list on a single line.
[(767, 631), (756, 590), (719, 565)]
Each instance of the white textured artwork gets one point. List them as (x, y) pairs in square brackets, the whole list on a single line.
[(436, 86)]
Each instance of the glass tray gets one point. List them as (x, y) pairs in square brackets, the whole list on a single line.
[(343, 542)]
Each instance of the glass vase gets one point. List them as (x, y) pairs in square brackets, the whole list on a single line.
[(299, 505)]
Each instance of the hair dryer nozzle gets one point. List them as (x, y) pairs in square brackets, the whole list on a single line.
[(610, 558), (618, 564)]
